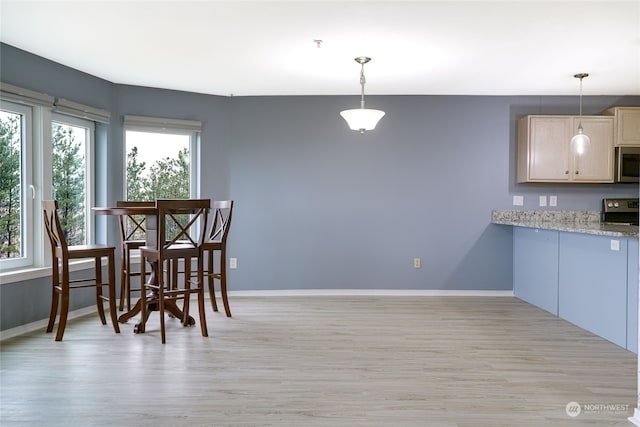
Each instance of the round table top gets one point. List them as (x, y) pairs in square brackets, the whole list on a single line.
[(129, 210)]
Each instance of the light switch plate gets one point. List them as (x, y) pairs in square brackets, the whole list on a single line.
[(553, 200), (518, 200), (615, 245), (543, 200)]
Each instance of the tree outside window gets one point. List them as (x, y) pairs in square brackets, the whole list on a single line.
[(68, 179), (158, 166), (10, 185)]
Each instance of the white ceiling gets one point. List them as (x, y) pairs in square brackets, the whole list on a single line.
[(267, 48)]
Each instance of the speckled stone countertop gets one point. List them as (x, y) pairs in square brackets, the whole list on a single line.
[(587, 222)]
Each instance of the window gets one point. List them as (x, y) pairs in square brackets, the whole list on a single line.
[(161, 161), (46, 151), (71, 180), (16, 226)]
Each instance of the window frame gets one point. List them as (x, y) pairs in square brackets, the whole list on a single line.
[(192, 129), (28, 187), (45, 109), (89, 159)]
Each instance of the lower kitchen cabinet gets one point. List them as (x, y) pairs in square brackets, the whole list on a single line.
[(632, 295), (588, 280), (535, 267), (592, 290)]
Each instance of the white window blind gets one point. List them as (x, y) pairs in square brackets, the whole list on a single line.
[(75, 109), (158, 123), (9, 92)]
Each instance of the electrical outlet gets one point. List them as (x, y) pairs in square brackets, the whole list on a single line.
[(233, 263), (543, 200), (553, 200), (518, 200), (615, 245), (417, 263)]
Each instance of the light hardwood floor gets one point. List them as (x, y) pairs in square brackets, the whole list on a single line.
[(324, 361)]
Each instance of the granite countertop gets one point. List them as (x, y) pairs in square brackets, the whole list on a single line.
[(587, 222)]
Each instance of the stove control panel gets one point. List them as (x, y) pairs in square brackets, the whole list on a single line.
[(620, 205)]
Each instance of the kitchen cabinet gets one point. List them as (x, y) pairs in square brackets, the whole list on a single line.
[(632, 295), (588, 280), (545, 155), (535, 267), (626, 125), (592, 289)]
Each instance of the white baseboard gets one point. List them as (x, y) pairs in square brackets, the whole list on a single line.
[(372, 292), (42, 324)]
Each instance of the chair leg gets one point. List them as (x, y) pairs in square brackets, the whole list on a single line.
[(187, 294), (112, 293), (55, 296), (123, 273), (203, 316), (97, 265), (143, 299), (223, 281), (64, 306), (161, 304), (210, 273)]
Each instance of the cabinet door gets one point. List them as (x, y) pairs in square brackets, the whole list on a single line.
[(628, 129), (592, 291), (549, 139), (535, 267), (596, 164), (632, 295)]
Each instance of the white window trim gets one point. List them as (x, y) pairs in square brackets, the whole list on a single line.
[(89, 182), (40, 178), (192, 128), (28, 187)]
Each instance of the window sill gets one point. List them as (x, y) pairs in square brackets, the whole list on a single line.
[(30, 273)]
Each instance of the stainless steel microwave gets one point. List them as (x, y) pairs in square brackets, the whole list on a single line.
[(627, 164)]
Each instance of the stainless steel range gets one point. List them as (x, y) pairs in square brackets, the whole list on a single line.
[(620, 211)]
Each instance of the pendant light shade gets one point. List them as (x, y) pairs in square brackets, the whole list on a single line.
[(580, 142), (362, 119)]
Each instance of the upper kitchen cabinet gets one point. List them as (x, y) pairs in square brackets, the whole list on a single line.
[(545, 155), (626, 125)]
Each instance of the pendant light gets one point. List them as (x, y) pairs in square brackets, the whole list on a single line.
[(580, 142), (362, 119)]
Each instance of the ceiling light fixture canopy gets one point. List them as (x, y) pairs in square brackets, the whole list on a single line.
[(581, 141), (362, 119)]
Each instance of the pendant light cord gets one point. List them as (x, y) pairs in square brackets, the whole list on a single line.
[(580, 121), (362, 82), (580, 76)]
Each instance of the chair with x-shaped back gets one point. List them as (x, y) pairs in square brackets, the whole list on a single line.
[(61, 255), (181, 231), (132, 236), (217, 241)]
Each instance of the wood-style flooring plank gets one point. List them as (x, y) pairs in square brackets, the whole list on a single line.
[(323, 361)]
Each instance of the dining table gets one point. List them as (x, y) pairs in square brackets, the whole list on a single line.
[(151, 240)]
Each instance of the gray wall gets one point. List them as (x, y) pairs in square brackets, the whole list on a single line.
[(320, 206)]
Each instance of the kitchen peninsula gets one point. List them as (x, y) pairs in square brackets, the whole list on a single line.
[(578, 268)]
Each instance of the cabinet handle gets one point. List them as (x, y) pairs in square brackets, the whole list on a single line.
[(566, 172), (577, 172)]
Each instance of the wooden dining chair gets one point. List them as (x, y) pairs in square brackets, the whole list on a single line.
[(132, 237), (61, 254), (181, 232), (217, 242)]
